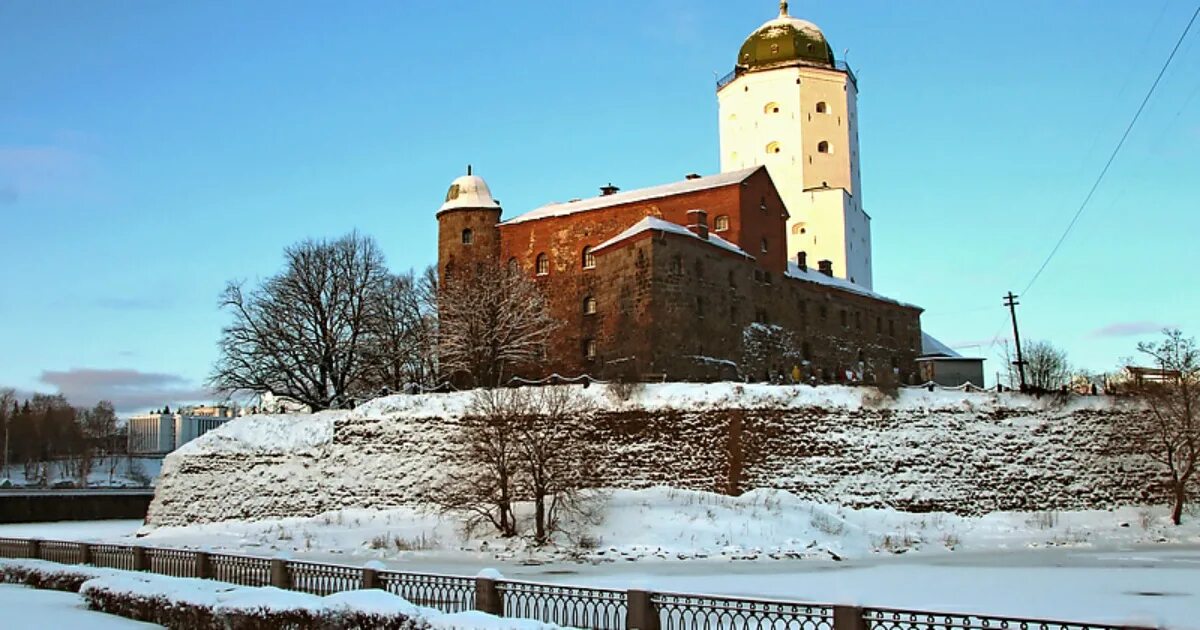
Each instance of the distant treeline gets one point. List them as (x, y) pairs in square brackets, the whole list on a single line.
[(50, 439)]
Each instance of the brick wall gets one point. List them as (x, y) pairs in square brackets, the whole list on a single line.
[(678, 307)]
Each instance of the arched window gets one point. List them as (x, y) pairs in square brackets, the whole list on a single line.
[(543, 264), (468, 236), (589, 305), (764, 244), (721, 223), (822, 108), (589, 259), (677, 264), (773, 147), (771, 108), (589, 349), (822, 147)]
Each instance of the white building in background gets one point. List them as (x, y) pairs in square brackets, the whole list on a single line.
[(790, 105), (160, 433)]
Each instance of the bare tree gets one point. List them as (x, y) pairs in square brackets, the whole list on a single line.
[(301, 334), (1046, 367), (556, 461), (482, 481), (491, 320), (99, 426), (401, 345), (1169, 433), (8, 410), (523, 444)]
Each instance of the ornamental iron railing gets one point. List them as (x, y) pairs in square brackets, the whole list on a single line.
[(570, 606), (887, 619), (447, 593), (678, 611), (838, 65)]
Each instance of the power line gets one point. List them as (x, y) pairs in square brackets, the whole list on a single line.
[(1116, 150)]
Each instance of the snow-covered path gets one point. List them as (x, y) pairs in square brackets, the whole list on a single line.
[(30, 608)]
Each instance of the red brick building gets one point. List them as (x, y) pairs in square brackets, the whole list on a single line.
[(684, 281)]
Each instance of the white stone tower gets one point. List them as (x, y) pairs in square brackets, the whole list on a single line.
[(789, 104)]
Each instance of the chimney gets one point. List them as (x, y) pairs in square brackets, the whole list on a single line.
[(609, 190), (692, 176), (802, 260), (825, 267), (698, 222)]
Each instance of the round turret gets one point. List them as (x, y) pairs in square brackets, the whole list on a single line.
[(785, 40), (467, 234)]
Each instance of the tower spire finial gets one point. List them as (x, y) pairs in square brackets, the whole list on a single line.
[(783, 8)]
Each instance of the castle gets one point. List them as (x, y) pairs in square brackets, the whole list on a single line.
[(760, 271)]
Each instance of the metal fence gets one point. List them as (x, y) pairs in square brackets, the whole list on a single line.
[(571, 606), (447, 593)]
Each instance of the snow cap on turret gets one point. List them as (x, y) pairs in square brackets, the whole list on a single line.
[(468, 191)]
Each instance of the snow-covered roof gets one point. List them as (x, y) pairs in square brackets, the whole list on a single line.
[(655, 223), (810, 274), (780, 25), (632, 196), (930, 346), (932, 349), (468, 191)]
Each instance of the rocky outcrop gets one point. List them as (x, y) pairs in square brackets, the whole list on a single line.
[(941, 451)]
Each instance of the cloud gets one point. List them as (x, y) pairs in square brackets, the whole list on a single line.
[(1127, 329), (129, 390), (37, 168)]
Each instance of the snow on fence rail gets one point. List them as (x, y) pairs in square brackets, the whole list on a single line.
[(573, 606)]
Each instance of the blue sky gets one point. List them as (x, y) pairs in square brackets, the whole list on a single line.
[(152, 151)]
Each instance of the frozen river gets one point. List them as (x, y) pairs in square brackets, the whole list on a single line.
[(1143, 584)]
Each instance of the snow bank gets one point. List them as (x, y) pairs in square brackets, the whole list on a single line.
[(192, 602), (667, 524)]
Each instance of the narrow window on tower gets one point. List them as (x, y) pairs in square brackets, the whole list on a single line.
[(589, 259), (822, 147), (822, 108), (543, 265), (468, 236), (589, 349), (589, 305)]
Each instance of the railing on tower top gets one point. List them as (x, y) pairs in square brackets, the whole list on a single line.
[(839, 65)]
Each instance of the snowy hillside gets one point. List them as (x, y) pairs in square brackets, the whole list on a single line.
[(925, 451)]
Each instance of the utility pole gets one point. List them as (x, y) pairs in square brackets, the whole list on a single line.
[(1011, 302)]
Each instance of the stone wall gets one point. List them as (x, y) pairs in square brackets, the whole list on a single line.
[(966, 453)]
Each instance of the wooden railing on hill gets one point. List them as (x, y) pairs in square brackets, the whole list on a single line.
[(572, 606)]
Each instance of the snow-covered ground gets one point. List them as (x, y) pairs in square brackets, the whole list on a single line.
[(1108, 566), (29, 608), (665, 524)]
